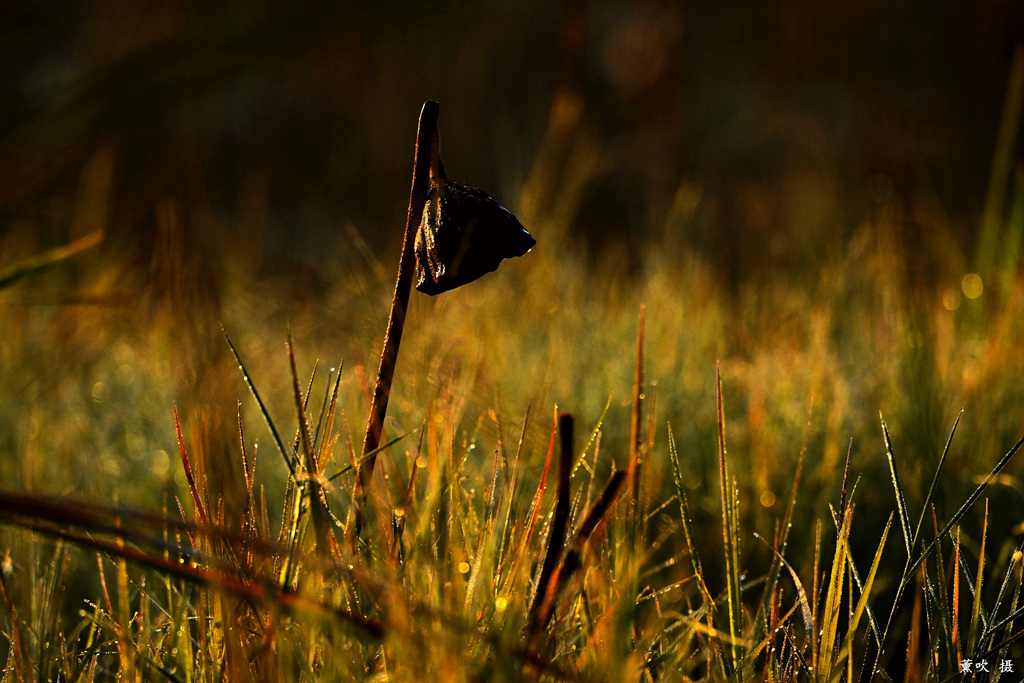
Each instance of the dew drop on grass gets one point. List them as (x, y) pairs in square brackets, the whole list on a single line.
[(463, 567), (500, 604), (421, 462)]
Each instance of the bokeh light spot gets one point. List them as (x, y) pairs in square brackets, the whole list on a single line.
[(972, 285), (100, 392)]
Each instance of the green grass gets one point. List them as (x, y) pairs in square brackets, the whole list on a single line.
[(590, 472), (686, 571)]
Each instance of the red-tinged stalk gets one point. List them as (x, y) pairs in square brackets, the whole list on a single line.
[(426, 149)]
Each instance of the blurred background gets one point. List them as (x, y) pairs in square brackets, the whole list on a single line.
[(825, 197), (784, 122)]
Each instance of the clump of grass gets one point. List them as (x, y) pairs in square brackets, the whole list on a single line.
[(459, 582), (468, 565)]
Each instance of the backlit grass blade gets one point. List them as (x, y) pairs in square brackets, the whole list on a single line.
[(862, 604), (957, 516), (538, 497), (193, 489), (49, 258), (781, 537), (371, 454), (831, 612), (730, 530), (971, 500), (1011, 576), (317, 505), (507, 531), (289, 459), (942, 602), (976, 617), (901, 504), (935, 480), (691, 544), (806, 612), (593, 436), (957, 650)]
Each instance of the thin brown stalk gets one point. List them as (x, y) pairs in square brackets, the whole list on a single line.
[(596, 515), (635, 437), (427, 145), (540, 610), (51, 257), (196, 498)]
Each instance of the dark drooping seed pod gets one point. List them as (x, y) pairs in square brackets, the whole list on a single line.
[(465, 233)]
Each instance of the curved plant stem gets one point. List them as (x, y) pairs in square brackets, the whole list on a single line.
[(427, 144)]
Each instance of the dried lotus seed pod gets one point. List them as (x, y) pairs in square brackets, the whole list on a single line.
[(465, 233)]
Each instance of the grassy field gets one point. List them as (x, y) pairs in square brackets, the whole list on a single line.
[(594, 470)]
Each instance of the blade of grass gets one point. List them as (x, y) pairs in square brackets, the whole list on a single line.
[(833, 598), (957, 653), (935, 480), (782, 538), (507, 530), (593, 436), (805, 608), (311, 486), (49, 258), (537, 499), (730, 532), (1011, 572), (21, 664), (912, 566), (846, 650), (364, 459), (901, 505), (196, 498), (684, 511), (976, 617), (289, 459)]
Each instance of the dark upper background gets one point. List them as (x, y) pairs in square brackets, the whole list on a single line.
[(789, 121)]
